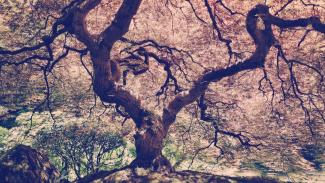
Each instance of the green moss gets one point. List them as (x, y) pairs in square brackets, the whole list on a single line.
[(3, 133), (173, 153)]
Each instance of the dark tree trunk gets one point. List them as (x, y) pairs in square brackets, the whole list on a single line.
[(151, 130), (149, 144)]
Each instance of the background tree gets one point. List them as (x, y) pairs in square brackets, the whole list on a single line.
[(242, 47), (81, 149)]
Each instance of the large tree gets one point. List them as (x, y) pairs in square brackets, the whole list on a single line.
[(189, 78)]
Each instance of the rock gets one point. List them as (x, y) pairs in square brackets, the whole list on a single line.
[(23, 164)]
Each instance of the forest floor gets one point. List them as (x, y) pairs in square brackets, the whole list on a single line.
[(216, 174), (140, 175)]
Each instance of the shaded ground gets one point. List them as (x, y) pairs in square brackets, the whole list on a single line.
[(24, 164), (140, 175)]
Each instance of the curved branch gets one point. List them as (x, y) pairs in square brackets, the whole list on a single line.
[(263, 39), (301, 22), (195, 13), (131, 104), (228, 9), (79, 27)]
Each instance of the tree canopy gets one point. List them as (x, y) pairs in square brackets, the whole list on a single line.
[(251, 73)]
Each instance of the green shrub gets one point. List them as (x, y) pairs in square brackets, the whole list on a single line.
[(3, 134), (82, 150)]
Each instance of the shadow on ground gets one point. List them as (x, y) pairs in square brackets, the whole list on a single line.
[(141, 175)]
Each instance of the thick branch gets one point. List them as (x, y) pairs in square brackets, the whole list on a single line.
[(263, 39), (79, 24), (302, 22), (201, 85), (124, 98), (120, 24)]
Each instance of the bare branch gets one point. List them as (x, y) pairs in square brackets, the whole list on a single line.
[(195, 13), (216, 27)]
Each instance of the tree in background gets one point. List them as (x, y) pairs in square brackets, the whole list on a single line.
[(82, 150), (243, 47)]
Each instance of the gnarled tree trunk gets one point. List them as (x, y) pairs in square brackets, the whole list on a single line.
[(149, 144), (151, 130)]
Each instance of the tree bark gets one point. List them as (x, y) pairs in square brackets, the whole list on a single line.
[(151, 129), (149, 144)]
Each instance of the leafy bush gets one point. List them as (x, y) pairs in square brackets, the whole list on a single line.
[(173, 153), (81, 150), (3, 133)]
